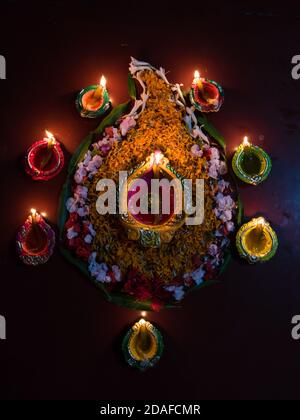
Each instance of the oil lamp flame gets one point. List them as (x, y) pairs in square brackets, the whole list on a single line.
[(143, 314), (158, 157), (51, 138), (33, 215), (261, 222), (246, 141), (35, 240), (103, 82), (49, 134), (196, 75)]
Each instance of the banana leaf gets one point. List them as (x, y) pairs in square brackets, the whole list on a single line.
[(211, 130), (226, 261), (112, 117), (131, 86), (80, 151), (62, 211), (240, 214), (204, 284), (117, 298)]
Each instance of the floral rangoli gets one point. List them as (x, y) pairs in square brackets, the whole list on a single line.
[(161, 117)]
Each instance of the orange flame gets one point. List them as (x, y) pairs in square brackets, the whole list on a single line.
[(157, 157), (246, 142), (196, 75), (51, 138), (103, 82)]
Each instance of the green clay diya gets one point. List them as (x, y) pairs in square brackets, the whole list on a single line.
[(250, 163), (142, 345), (256, 241), (93, 101)]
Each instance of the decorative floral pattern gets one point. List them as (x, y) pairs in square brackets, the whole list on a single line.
[(80, 233)]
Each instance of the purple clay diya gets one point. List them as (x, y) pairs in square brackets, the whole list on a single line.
[(35, 240)]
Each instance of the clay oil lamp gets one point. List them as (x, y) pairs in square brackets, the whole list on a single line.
[(156, 226), (44, 159), (142, 345), (35, 240), (206, 95), (256, 241), (250, 163), (93, 101)]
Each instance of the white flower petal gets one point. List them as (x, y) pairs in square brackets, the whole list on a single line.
[(71, 233), (198, 275)]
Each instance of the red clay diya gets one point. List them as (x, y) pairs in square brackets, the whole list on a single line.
[(206, 95), (44, 159), (35, 240)]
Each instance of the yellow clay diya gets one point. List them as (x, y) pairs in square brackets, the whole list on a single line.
[(142, 345), (256, 240)]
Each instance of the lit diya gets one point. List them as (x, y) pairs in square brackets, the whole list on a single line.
[(206, 95), (250, 163), (93, 101), (159, 222), (142, 345), (44, 159), (35, 240), (256, 240)]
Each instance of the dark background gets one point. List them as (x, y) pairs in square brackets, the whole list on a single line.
[(232, 340)]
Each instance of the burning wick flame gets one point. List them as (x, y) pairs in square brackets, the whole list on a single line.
[(261, 222), (103, 82), (246, 142), (196, 75), (157, 157), (51, 138), (143, 314), (33, 215)]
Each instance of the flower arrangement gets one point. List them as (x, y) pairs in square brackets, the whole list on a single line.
[(128, 274)]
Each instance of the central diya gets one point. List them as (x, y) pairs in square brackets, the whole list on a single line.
[(144, 254), (158, 225)]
